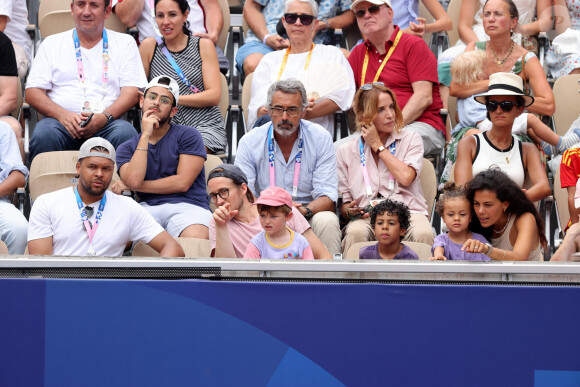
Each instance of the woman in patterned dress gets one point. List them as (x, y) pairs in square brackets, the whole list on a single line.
[(563, 58), (197, 59)]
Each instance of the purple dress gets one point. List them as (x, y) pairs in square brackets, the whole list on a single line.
[(372, 252), (453, 250)]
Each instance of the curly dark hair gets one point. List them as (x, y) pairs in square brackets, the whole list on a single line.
[(184, 7), (392, 207), (450, 191), (506, 190)]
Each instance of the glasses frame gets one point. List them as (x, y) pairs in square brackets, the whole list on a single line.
[(279, 111), (373, 9), (506, 106), (223, 193), (369, 86), (292, 18), (163, 99)]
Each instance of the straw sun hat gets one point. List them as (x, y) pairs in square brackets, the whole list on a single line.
[(505, 84)]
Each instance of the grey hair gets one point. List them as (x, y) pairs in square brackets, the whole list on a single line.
[(288, 86), (312, 3)]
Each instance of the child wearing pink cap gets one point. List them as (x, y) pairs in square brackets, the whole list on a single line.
[(277, 241)]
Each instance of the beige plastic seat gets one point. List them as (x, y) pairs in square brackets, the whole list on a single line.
[(51, 171), (423, 250), (225, 97), (192, 247), (55, 16), (453, 12), (428, 180), (223, 36), (561, 198), (211, 162), (567, 100), (3, 248), (246, 97)]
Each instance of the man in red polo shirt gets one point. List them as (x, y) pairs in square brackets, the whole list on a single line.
[(411, 71)]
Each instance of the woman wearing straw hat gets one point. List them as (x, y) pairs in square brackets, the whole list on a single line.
[(504, 101)]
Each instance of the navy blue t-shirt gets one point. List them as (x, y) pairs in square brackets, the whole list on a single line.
[(162, 161)]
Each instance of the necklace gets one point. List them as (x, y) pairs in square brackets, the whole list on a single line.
[(500, 62), (493, 139), (504, 227)]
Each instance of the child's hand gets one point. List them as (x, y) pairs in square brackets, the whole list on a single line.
[(438, 258)]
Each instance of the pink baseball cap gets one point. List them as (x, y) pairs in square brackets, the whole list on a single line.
[(275, 196)]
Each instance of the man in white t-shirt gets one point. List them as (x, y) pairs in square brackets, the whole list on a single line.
[(13, 22), (86, 64), (88, 219)]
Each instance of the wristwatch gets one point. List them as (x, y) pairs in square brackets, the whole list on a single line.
[(489, 249), (380, 149), (110, 117), (309, 213)]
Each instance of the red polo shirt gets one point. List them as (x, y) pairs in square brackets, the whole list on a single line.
[(410, 62)]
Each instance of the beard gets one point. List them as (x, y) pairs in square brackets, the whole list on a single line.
[(285, 128), (89, 189)]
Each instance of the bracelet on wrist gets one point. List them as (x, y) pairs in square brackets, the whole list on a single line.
[(265, 38), (143, 149)]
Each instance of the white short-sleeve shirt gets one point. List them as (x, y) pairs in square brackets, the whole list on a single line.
[(56, 214)]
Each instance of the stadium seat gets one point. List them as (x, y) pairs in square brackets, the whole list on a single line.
[(567, 100), (453, 12), (211, 162), (428, 179), (223, 36), (3, 249)]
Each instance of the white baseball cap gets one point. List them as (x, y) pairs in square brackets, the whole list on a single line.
[(375, 2), (173, 87)]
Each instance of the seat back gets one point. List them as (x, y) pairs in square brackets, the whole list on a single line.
[(225, 96), (3, 248), (428, 179), (424, 13), (247, 95), (211, 162), (19, 100), (52, 171), (561, 198), (423, 250), (453, 12), (567, 100), (223, 36), (55, 16), (192, 247)]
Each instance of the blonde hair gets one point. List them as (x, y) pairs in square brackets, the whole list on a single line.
[(468, 67), (366, 106)]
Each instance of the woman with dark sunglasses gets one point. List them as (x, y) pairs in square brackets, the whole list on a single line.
[(504, 100), (383, 161)]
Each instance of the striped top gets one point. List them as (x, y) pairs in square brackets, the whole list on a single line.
[(208, 120)]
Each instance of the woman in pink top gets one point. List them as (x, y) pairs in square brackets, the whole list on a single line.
[(383, 162)]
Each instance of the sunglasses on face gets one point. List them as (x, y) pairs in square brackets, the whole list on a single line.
[(505, 106), (292, 18), (368, 86), (372, 10)]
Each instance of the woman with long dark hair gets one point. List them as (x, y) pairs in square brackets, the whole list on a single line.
[(193, 63), (506, 217)]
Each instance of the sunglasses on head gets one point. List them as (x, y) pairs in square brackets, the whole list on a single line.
[(292, 18), (368, 86), (372, 10), (506, 106)]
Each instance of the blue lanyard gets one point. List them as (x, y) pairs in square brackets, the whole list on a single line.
[(298, 161), (90, 230), (175, 66), (106, 57)]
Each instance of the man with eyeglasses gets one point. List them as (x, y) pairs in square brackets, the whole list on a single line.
[(90, 220), (87, 63), (300, 23), (236, 220), (405, 64), (297, 155), (264, 15), (165, 164)]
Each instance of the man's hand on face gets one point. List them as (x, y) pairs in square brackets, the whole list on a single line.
[(149, 123)]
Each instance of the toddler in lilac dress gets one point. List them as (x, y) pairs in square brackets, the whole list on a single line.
[(455, 210)]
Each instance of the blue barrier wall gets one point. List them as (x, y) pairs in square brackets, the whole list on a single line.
[(175, 333)]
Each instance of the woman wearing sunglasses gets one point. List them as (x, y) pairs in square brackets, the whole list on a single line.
[(504, 100), (382, 162), (301, 25), (193, 62)]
